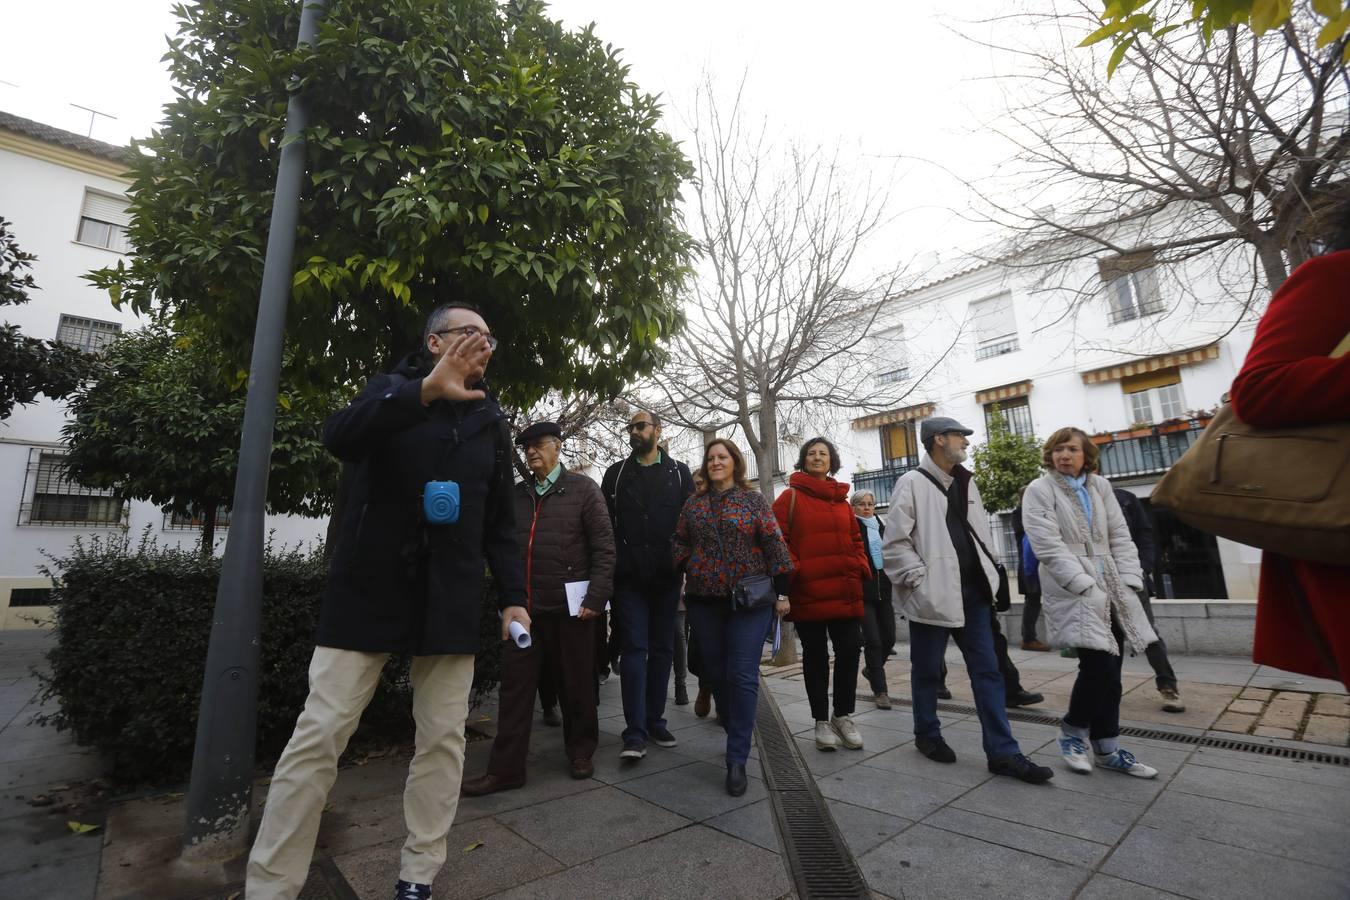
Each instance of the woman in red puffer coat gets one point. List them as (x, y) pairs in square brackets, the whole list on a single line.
[(830, 565), (1289, 378)]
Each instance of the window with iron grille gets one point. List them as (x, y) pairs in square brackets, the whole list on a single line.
[(103, 222), (86, 334), (193, 521), (53, 498), (893, 376), (1016, 415), (994, 325), (30, 597)]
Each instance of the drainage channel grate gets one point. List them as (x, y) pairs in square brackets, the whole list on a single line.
[(819, 861), (1159, 734)]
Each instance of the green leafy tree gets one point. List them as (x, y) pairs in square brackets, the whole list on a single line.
[(1124, 22), (1005, 464), (158, 423), (473, 151), (29, 366)]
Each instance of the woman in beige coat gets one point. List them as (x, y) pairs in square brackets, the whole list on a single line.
[(1089, 571)]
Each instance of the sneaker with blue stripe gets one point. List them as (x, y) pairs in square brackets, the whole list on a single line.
[(1123, 761), (1075, 752)]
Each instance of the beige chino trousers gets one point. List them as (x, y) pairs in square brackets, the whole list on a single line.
[(341, 683)]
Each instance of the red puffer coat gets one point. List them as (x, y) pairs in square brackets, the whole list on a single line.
[(827, 550), (1289, 379)]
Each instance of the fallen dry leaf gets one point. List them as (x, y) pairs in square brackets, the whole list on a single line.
[(472, 847), (81, 828)]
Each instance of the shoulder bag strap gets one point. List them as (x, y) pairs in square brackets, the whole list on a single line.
[(965, 520)]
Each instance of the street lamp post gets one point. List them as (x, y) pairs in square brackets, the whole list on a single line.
[(221, 791)]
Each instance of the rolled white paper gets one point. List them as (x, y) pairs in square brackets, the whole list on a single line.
[(519, 635)]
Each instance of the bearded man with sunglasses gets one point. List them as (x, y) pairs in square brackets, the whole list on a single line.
[(645, 493)]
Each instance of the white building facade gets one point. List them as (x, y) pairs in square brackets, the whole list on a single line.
[(1133, 354), (65, 197)]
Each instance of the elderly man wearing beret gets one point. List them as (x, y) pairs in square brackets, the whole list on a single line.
[(564, 530)]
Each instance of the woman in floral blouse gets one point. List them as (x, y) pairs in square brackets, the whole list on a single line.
[(727, 532)]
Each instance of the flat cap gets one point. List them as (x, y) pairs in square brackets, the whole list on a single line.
[(941, 425), (538, 430)]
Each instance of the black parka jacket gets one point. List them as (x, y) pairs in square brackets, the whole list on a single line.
[(397, 584), (644, 527), (565, 536)]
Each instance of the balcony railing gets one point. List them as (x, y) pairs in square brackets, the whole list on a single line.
[(996, 348), (1130, 454), (882, 481)]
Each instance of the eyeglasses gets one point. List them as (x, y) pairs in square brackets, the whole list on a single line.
[(470, 330), (637, 426)]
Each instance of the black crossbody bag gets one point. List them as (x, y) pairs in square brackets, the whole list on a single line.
[(750, 592), (1002, 596)]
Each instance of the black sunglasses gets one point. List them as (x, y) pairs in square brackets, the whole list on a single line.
[(470, 330)]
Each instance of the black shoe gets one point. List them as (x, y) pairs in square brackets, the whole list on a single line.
[(736, 780), (681, 695), (633, 749), (1018, 766), (936, 749), (661, 736), (943, 693), (1024, 698), (551, 716), (406, 890)]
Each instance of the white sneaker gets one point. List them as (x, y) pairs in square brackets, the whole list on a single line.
[(847, 731), (825, 739), (1123, 761), (1075, 753)]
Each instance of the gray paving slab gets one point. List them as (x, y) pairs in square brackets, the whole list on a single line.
[(1336, 777), (940, 865), (968, 770), (1107, 887), (693, 863), (608, 820), (610, 769), (36, 840), (502, 860), (1193, 867), (1053, 808), (1279, 834), (1052, 845), (897, 718), (827, 762), (77, 765), (696, 791), (69, 877), (700, 741), (864, 828), (1311, 801), (892, 793), (541, 787), (753, 824)]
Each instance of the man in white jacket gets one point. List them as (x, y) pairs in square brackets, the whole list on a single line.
[(943, 576)]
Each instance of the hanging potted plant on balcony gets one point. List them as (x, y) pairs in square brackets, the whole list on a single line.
[(1135, 430)]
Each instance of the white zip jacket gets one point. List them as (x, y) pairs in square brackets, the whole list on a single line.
[(918, 554)]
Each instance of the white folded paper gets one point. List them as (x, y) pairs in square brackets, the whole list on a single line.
[(519, 635), (576, 593)]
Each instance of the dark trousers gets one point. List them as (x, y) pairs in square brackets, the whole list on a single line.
[(731, 645), (927, 643), (646, 615), (1031, 614), (878, 627), (562, 647), (846, 636), (681, 660), (1157, 652), (1094, 703), (1012, 679)]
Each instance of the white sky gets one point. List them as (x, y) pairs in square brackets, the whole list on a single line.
[(882, 79)]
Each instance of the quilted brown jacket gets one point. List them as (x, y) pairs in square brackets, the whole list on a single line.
[(565, 535)]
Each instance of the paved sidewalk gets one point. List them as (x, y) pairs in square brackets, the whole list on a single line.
[(1216, 823)]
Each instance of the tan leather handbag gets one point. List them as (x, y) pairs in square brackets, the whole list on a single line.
[(1280, 489)]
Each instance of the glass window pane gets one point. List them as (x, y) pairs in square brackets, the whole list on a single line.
[(1141, 408), (1170, 402)]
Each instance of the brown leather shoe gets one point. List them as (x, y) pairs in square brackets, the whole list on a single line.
[(489, 784), (1036, 645), (882, 700), (703, 702), (582, 769)]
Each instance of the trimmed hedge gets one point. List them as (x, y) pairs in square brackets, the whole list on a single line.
[(132, 627)]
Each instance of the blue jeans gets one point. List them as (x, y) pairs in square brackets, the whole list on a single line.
[(647, 619), (927, 643), (731, 645)]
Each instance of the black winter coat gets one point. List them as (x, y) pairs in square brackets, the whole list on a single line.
[(1141, 532), (878, 586), (397, 584), (644, 527), (565, 536)]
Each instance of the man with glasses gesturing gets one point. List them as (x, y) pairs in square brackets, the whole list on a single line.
[(645, 493)]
